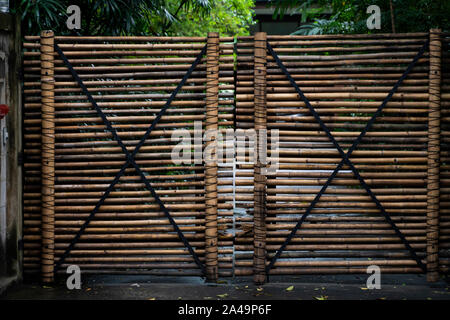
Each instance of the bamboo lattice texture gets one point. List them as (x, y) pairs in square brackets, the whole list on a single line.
[(129, 233), (344, 76)]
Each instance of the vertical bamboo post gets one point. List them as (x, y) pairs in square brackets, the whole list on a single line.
[(212, 107), (47, 156), (434, 93), (259, 218)]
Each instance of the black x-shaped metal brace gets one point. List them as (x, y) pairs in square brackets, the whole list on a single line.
[(130, 158), (345, 158)]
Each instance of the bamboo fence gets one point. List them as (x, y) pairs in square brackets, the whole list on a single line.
[(233, 215), (131, 79), (346, 77)]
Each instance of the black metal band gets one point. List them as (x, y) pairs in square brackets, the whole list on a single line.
[(345, 157), (130, 159)]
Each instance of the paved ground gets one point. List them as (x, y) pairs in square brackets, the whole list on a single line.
[(348, 287)]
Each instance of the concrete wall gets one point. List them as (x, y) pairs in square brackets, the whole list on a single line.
[(10, 146)]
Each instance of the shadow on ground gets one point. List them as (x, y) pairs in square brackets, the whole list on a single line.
[(343, 287)]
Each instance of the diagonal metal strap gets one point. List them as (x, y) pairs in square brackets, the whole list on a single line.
[(130, 159), (345, 158)]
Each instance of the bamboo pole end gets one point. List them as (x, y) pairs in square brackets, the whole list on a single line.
[(213, 35), (47, 34)]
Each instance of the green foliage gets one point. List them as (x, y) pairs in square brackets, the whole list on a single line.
[(228, 17), (349, 16), (40, 14), (139, 17)]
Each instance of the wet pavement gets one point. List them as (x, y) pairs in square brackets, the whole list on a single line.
[(342, 287)]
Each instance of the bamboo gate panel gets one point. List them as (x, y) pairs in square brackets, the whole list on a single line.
[(345, 77), (130, 78)]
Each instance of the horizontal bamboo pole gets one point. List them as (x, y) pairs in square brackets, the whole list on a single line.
[(347, 88), (115, 236), (130, 223), (335, 263), (168, 52), (334, 104), (333, 270), (29, 271), (338, 219), (96, 46), (400, 175), (344, 232), (132, 61), (348, 75), (133, 96), (337, 160), (340, 239), (338, 95), (348, 81), (128, 104), (407, 211), (358, 42), (126, 82), (345, 36), (128, 38), (121, 75), (335, 57), (244, 50), (366, 246), (129, 68)]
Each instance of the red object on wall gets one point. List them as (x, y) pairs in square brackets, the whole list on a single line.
[(3, 110)]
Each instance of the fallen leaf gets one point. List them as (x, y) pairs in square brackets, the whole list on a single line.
[(46, 287), (259, 289), (151, 299), (363, 288), (246, 287), (290, 288), (88, 289), (321, 298), (223, 295), (207, 298)]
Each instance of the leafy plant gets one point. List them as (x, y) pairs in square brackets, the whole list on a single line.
[(139, 17), (40, 14), (349, 16)]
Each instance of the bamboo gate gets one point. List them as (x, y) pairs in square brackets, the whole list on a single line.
[(102, 192)]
